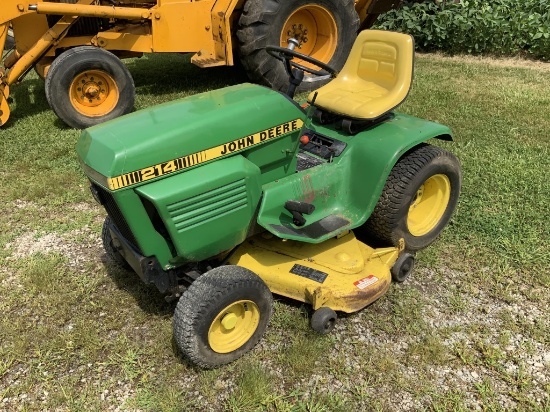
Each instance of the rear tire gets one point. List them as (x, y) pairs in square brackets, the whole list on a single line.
[(222, 315), (87, 85), (331, 30), (418, 200)]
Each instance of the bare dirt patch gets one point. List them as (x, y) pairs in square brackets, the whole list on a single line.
[(64, 244), (79, 247)]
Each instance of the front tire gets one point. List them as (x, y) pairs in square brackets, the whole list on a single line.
[(87, 85), (418, 200), (326, 30), (222, 315)]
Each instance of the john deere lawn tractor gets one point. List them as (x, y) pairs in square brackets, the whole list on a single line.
[(223, 198)]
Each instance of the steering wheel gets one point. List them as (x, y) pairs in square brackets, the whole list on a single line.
[(286, 55)]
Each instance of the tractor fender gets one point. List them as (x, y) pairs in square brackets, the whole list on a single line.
[(345, 191), (376, 151)]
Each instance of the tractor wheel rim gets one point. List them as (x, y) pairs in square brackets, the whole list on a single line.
[(94, 93), (233, 326), (315, 29), (429, 205)]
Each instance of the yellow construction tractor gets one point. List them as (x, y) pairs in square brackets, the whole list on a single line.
[(76, 45)]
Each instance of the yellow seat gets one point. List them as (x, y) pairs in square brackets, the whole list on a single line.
[(376, 78)]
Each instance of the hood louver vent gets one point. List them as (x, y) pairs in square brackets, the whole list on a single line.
[(200, 209)]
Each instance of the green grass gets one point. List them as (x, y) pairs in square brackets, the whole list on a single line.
[(470, 329)]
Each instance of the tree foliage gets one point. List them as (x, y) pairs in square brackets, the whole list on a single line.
[(498, 27)]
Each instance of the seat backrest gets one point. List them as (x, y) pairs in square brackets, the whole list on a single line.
[(375, 79), (382, 57)]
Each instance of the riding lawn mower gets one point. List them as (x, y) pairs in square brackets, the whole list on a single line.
[(224, 198)]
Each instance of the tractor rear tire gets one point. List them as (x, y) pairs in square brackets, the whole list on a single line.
[(222, 315), (87, 85), (418, 200), (326, 30)]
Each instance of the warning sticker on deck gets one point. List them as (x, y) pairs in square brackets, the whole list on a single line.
[(366, 282)]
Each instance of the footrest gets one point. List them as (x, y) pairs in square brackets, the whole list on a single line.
[(316, 230)]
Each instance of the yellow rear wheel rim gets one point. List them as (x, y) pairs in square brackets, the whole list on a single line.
[(315, 29), (233, 326), (429, 205), (94, 93)]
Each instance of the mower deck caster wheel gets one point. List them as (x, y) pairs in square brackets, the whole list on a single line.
[(402, 267), (323, 320)]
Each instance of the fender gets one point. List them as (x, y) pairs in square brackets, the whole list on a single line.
[(383, 148), (340, 206)]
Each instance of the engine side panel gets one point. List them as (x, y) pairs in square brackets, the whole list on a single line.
[(207, 210)]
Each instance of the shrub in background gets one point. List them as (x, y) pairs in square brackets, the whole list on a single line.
[(499, 27)]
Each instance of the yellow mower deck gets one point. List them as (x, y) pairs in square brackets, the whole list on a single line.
[(342, 273)]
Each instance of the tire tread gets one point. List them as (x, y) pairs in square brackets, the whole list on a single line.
[(112, 255), (387, 213), (256, 29), (205, 292)]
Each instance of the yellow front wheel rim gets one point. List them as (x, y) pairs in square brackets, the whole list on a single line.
[(429, 205), (94, 93), (315, 29), (233, 326)]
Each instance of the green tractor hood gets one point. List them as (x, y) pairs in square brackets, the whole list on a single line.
[(184, 133)]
